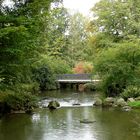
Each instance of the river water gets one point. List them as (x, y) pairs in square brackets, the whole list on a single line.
[(64, 123)]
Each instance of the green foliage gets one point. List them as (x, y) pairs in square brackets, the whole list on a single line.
[(17, 101), (97, 43), (44, 77), (77, 39), (56, 26), (134, 104), (131, 92), (114, 21), (22, 38), (46, 69), (117, 18), (59, 66), (115, 41), (26, 87), (119, 67)]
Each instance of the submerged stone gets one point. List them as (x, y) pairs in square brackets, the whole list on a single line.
[(126, 108), (76, 104), (53, 105), (87, 121)]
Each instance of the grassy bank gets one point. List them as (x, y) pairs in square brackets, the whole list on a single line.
[(135, 104)]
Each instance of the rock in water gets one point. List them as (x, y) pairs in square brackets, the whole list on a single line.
[(76, 104), (109, 101), (126, 108), (120, 102), (53, 105), (86, 121), (98, 102)]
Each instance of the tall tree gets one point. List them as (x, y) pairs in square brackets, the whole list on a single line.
[(113, 22), (77, 38), (119, 18), (21, 28), (56, 26)]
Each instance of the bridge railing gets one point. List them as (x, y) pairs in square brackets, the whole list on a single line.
[(74, 76)]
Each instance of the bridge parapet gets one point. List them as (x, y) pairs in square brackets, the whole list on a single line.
[(74, 77)]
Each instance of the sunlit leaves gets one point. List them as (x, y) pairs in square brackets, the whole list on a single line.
[(117, 18)]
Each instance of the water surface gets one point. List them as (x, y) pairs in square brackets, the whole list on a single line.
[(64, 123)]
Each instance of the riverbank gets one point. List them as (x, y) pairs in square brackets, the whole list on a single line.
[(26, 103), (118, 102)]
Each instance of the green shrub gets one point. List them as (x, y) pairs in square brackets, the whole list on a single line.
[(118, 67), (131, 92), (59, 66), (17, 101), (44, 76), (27, 87), (55, 65), (46, 69)]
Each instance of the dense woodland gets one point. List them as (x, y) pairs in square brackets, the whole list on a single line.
[(40, 39)]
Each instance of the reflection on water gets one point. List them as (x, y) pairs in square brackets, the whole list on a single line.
[(35, 117), (64, 123)]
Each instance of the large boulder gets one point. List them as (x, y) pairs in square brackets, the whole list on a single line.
[(109, 101), (53, 105), (121, 102), (130, 100), (97, 102)]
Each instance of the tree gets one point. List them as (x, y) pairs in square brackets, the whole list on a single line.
[(21, 35), (56, 26), (77, 38), (118, 18), (113, 22)]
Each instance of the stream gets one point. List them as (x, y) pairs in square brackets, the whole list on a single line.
[(64, 123)]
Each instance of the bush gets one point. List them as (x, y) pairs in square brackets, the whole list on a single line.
[(59, 66), (44, 77), (26, 88), (118, 67), (17, 102), (131, 92), (45, 71), (55, 65)]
